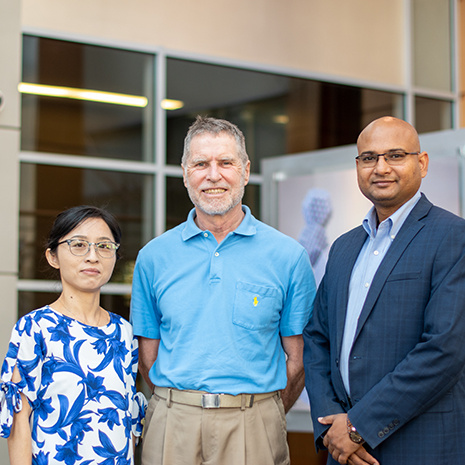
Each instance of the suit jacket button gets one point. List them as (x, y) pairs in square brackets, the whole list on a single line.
[(380, 434), (386, 430)]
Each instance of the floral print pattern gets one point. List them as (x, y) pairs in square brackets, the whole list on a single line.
[(80, 383)]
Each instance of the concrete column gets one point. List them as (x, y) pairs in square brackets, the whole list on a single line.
[(10, 73)]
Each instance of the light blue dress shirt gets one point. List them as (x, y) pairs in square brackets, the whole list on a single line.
[(371, 255)]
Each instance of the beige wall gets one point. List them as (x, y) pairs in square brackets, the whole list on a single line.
[(360, 39), (10, 40)]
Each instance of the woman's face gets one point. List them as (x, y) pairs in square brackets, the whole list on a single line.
[(89, 272)]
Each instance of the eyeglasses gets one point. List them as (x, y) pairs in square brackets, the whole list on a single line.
[(394, 158), (80, 247)]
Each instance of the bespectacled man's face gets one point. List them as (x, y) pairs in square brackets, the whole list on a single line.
[(389, 187)]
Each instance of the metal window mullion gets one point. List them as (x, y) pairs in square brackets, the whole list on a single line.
[(160, 145), (76, 161)]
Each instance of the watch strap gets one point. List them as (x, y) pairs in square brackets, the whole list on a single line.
[(354, 435)]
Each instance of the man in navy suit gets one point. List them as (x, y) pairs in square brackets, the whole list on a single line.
[(385, 350)]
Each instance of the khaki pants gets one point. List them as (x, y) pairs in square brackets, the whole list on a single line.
[(186, 435)]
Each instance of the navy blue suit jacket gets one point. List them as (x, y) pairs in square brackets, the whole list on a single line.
[(406, 367)]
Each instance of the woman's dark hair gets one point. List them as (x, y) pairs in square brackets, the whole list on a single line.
[(69, 219)]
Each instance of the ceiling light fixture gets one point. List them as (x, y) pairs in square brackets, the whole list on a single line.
[(281, 119), (170, 104), (83, 94)]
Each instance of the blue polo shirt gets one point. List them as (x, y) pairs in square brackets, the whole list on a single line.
[(219, 309)]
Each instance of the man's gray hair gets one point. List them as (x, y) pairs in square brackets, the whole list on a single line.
[(205, 124)]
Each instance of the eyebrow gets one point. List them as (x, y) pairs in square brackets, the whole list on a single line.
[(206, 159), (197, 160), (80, 236), (372, 152)]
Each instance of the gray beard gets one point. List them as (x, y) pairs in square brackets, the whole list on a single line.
[(222, 209)]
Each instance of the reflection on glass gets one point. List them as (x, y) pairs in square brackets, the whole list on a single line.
[(80, 127), (432, 44), (432, 114), (278, 114), (48, 190), (252, 199), (178, 204)]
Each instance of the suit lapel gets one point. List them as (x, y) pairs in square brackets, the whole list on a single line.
[(347, 259), (408, 231)]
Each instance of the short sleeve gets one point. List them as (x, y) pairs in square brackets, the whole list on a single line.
[(26, 350), (298, 307), (144, 317)]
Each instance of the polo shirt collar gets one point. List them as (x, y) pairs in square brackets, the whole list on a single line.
[(248, 223), (246, 228)]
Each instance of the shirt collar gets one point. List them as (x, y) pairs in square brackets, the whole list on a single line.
[(246, 228), (394, 222)]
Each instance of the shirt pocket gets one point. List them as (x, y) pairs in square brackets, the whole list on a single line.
[(256, 307)]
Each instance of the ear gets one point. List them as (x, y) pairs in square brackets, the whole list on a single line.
[(423, 160), (184, 174), (52, 259), (247, 173)]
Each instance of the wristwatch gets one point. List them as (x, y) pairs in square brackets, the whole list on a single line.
[(354, 435)]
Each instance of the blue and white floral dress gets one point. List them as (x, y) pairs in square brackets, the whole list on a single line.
[(80, 383)]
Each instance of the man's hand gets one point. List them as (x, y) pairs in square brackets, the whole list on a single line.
[(361, 457), (339, 445)]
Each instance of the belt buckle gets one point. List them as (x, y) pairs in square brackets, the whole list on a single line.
[(210, 401)]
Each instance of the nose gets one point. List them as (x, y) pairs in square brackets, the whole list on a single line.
[(382, 166), (92, 255), (213, 173)]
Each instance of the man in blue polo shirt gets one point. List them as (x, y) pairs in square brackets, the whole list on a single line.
[(219, 304)]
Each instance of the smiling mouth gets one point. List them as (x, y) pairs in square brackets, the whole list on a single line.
[(383, 181), (214, 191)]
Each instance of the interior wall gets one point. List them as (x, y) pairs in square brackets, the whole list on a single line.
[(360, 39)]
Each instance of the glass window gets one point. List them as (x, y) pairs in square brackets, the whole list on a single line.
[(432, 44), (432, 114), (278, 114), (178, 203), (85, 127), (47, 190)]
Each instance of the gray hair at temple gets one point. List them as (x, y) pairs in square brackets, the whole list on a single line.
[(205, 124)]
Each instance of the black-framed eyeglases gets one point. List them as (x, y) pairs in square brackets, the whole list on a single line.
[(392, 158)]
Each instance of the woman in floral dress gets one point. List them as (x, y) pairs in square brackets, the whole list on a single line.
[(68, 392)]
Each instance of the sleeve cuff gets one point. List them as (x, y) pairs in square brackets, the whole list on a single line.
[(10, 403)]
